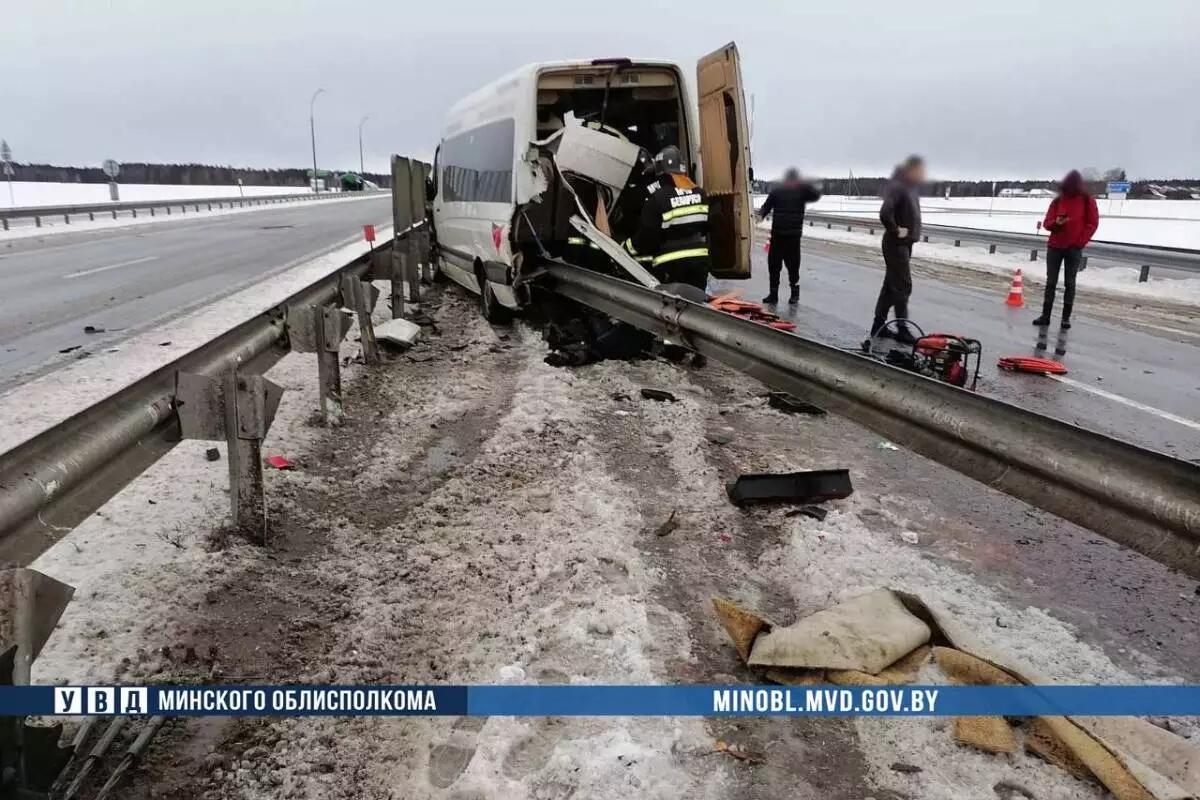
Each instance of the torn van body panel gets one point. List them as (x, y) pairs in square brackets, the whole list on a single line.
[(521, 157)]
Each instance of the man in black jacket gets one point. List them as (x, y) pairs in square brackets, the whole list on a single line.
[(901, 218), (786, 203)]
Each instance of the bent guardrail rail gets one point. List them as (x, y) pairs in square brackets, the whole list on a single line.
[(36, 213), (1145, 256), (1145, 500)]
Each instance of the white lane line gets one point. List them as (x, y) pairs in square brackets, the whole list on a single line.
[(1116, 398), (94, 270)]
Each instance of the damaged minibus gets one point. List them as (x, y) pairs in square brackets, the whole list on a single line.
[(546, 163)]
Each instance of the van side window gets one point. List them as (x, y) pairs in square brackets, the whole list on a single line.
[(477, 164)]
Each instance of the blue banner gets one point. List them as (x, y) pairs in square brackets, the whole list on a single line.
[(598, 701)]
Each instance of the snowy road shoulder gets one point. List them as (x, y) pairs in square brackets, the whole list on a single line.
[(484, 517)]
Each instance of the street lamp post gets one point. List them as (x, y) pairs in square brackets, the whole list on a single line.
[(361, 169), (312, 129)]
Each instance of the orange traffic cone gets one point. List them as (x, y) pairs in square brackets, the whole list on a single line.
[(1016, 295)]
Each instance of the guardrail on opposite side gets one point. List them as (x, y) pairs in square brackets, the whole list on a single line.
[(37, 213), (1145, 256)]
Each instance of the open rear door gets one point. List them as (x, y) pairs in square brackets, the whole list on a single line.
[(725, 159)]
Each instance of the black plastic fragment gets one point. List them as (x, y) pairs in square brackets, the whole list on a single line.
[(790, 487), (816, 512), (212, 454), (659, 395), (791, 404)]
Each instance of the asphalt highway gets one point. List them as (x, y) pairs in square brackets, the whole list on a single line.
[(1136, 382), (123, 280)]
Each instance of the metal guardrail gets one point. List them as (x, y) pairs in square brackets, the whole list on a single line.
[(1145, 256), (1145, 500), (60, 476), (37, 213)]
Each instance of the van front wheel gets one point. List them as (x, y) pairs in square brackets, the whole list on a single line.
[(493, 311)]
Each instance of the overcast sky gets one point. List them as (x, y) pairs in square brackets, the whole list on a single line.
[(982, 88)]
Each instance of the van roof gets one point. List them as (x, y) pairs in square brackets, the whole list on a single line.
[(510, 81)]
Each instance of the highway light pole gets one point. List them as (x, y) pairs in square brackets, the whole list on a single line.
[(361, 168), (312, 129)]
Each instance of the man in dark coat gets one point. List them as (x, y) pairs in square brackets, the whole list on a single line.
[(901, 218), (786, 205)]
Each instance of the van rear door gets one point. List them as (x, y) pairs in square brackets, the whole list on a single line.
[(725, 158)]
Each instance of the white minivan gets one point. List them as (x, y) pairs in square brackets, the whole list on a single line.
[(499, 204)]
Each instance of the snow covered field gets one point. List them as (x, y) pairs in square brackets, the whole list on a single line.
[(1165, 223), (38, 193)]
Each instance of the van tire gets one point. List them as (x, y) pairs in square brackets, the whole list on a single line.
[(490, 306)]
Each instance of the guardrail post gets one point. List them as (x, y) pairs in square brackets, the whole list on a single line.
[(412, 258), (209, 207), (244, 423), (182, 209), (168, 208), (66, 219), (5, 221), (958, 242), (870, 231), (829, 226), (360, 297), (925, 239), (991, 248), (426, 255), (115, 214), (320, 330), (91, 216), (37, 221), (1033, 254), (1144, 275), (239, 409), (151, 211)]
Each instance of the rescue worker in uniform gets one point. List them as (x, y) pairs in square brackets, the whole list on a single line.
[(672, 230)]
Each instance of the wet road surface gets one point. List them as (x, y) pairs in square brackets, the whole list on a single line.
[(1139, 386)]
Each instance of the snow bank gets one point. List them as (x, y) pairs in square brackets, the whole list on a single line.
[(1165, 223), (1113, 280)]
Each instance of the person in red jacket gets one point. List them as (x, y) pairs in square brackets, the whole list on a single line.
[(1072, 220)]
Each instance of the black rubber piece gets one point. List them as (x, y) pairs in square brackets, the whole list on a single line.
[(790, 487)]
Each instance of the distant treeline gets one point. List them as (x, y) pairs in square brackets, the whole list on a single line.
[(176, 174), (1174, 188)]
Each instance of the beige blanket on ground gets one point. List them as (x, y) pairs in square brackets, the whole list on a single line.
[(884, 637)]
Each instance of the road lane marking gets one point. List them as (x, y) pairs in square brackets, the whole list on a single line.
[(1116, 398), (94, 270)]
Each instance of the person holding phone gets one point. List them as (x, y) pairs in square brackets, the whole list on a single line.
[(1072, 220)]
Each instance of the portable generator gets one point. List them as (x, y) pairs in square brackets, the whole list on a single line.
[(946, 357)]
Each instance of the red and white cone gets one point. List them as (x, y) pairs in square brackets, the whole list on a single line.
[(1016, 295)]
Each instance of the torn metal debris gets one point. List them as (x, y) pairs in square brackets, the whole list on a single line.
[(790, 487)]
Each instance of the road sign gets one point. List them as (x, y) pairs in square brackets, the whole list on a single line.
[(111, 168), (5, 151), (1119, 187), (8, 169)]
